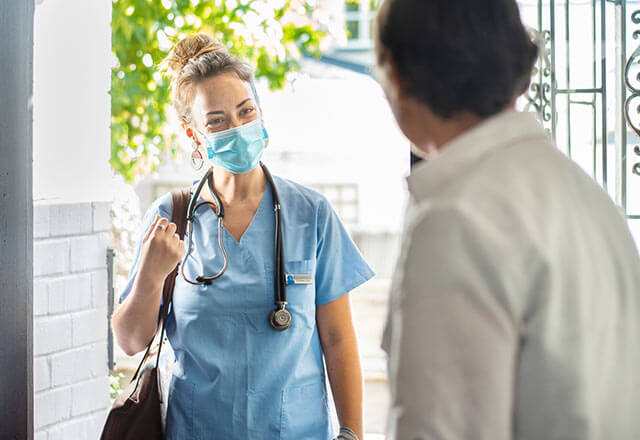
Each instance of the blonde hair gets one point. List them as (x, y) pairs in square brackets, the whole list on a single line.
[(194, 59)]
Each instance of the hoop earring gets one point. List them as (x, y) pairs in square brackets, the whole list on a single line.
[(196, 157)]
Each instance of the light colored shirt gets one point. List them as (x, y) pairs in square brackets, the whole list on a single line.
[(515, 309), (235, 377)]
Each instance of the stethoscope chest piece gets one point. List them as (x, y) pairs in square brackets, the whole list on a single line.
[(280, 319)]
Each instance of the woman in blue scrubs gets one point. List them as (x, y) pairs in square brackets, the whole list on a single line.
[(234, 376)]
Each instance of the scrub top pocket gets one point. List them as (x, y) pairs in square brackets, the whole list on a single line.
[(305, 411), (300, 297), (300, 278)]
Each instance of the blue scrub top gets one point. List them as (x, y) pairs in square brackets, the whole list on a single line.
[(234, 377)]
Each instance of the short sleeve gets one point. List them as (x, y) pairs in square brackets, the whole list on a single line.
[(161, 207), (340, 267)]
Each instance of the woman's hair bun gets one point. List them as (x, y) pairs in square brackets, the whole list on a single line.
[(194, 59), (191, 48)]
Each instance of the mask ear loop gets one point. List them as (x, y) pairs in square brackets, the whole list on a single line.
[(255, 93), (257, 98)]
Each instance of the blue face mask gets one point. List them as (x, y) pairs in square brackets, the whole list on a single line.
[(238, 149)]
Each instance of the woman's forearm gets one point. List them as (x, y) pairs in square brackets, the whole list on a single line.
[(135, 322), (345, 375)]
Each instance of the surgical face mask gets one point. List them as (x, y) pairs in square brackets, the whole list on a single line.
[(238, 149)]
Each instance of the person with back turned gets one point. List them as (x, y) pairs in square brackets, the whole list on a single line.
[(515, 308)]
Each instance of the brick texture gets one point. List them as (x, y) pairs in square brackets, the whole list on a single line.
[(89, 252), (52, 334), (52, 406), (99, 288), (41, 374), (41, 216), (90, 396), (71, 366), (50, 257), (101, 216), (40, 298), (89, 326), (70, 293), (70, 219), (71, 380)]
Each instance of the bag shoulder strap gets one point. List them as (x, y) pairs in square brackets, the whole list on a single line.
[(179, 205)]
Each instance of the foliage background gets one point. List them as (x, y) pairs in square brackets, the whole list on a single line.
[(270, 34)]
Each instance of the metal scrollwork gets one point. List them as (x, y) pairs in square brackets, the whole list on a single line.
[(632, 81), (636, 166), (539, 94)]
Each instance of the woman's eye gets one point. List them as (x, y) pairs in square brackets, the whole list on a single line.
[(247, 111), (214, 122)]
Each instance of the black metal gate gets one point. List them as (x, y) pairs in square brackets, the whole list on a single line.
[(586, 89)]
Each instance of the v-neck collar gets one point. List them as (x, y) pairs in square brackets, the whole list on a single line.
[(260, 212)]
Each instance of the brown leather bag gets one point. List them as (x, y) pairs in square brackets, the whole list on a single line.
[(136, 414)]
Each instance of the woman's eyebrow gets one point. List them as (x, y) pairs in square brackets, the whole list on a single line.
[(220, 112), (243, 103)]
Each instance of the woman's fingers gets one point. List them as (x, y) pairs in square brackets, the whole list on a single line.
[(171, 229), (161, 226), (151, 229), (163, 248), (166, 229), (179, 245)]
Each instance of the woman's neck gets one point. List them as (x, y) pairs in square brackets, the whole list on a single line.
[(238, 187)]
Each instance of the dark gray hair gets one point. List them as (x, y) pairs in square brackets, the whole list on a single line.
[(457, 56)]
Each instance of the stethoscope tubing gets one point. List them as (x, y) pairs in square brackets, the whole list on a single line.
[(279, 278), (203, 279)]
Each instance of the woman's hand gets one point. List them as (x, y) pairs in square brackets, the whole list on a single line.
[(135, 321), (346, 434), (161, 251)]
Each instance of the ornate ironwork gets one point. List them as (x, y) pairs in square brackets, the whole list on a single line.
[(539, 94), (553, 86), (636, 166), (632, 82)]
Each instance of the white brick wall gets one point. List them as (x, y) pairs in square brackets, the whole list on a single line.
[(70, 326)]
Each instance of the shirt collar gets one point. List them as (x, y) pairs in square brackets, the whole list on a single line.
[(502, 130)]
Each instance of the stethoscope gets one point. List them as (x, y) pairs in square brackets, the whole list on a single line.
[(279, 318)]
